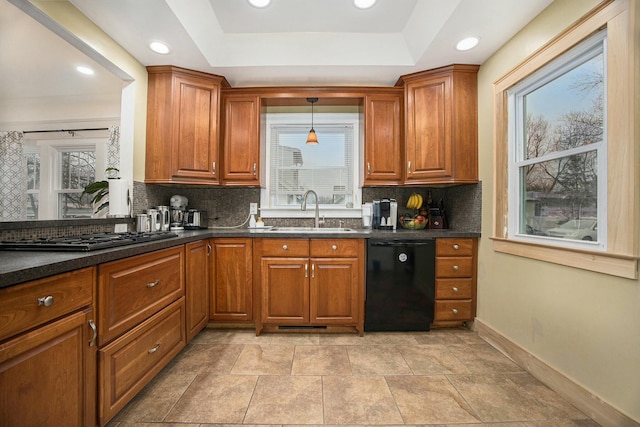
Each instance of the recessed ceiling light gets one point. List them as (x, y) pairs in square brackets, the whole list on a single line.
[(468, 43), (259, 3), (159, 47), (364, 4), (84, 70)]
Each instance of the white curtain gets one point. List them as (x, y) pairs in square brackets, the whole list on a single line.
[(13, 177)]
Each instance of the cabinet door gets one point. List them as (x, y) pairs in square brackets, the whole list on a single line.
[(334, 291), (231, 280), (194, 151), (285, 290), (241, 143), (197, 286), (428, 139), (382, 139), (48, 376)]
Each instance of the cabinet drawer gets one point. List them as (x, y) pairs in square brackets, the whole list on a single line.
[(130, 362), (454, 267), (285, 247), (131, 290), (334, 247), (28, 305), (454, 247), (452, 310), (453, 288)]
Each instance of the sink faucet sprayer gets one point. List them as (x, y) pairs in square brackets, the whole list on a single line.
[(303, 207)]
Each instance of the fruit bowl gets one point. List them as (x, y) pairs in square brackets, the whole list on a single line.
[(412, 223)]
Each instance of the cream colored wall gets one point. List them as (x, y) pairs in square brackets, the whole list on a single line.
[(134, 109), (586, 325)]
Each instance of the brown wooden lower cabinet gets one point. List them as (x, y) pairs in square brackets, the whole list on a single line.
[(128, 363), (231, 271), (456, 276), (48, 374), (310, 282), (197, 286)]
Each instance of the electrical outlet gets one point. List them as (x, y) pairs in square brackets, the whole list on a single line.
[(253, 208)]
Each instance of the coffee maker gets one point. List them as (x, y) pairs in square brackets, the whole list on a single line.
[(385, 214), (178, 207)]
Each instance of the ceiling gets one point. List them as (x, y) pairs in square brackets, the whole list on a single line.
[(310, 42), (290, 42)]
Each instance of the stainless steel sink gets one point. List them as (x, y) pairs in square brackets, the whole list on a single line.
[(310, 230)]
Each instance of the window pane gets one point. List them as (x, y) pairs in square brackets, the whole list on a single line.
[(32, 206), (567, 112), (560, 191), (33, 171), (326, 168), (74, 205), (78, 169)]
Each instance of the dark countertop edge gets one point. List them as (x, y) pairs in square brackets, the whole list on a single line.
[(22, 266)]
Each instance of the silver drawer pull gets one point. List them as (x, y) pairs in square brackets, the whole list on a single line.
[(313, 271), (92, 325), (455, 311), (285, 247), (213, 168), (456, 247), (154, 349), (456, 268), (368, 168), (45, 301), (153, 284), (454, 289), (334, 247)]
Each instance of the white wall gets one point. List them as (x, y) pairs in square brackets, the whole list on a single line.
[(586, 325)]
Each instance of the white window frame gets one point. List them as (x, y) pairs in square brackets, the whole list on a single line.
[(328, 211), (622, 254), (586, 50)]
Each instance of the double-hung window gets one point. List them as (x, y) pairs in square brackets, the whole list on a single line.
[(558, 150), (294, 167), (566, 155)]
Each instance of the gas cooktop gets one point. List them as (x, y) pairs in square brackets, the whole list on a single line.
[(85, 242)]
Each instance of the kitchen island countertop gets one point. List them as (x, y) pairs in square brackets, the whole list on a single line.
[(22, 266)]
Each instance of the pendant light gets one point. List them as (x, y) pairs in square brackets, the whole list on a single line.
[(312, 139)]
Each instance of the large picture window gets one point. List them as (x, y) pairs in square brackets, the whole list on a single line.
[(558, 150)]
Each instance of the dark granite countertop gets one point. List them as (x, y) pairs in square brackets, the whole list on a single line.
[(21, 266)]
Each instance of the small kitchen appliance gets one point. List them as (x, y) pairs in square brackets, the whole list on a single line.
[(367, 214), (195, 220), (177, 210), (165, 217), (385, 214)]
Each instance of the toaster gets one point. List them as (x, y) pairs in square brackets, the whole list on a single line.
[(195, 219)]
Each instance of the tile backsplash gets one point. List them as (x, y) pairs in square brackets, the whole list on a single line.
[(228, 207)]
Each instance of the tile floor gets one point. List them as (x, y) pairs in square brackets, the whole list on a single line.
[(441, 377)]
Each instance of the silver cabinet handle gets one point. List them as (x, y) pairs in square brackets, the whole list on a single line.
[(208, 249), (154, 349), (334, 247), (456, 247), (153, 284), (306, 270), (213, 168), (368, 168), (454, 289), (285, 247), (409, 166), (254, 169), (454, 311), (92, 325), (456, 268), (45, 301), (313, 271)]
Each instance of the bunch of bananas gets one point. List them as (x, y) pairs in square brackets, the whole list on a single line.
[(415, 201)]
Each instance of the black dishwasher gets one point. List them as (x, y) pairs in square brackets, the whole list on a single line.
[(400, 285)]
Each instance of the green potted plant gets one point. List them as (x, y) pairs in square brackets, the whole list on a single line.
[(99, 190)]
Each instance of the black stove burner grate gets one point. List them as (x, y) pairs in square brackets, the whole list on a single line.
[(85, 242)]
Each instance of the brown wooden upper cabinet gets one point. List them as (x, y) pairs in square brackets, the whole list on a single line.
[(183, 112), (441, 125), (383, 139), (241, 139)]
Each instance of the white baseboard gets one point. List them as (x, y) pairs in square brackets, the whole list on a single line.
[(581, 398)]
